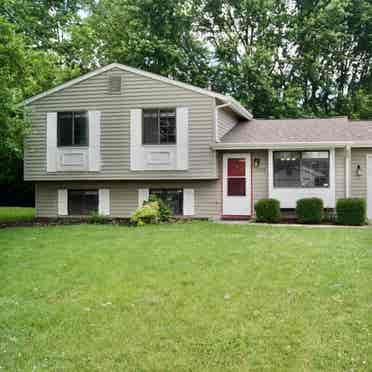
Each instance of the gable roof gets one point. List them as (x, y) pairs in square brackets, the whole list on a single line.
[(235, 105), (283, 132)]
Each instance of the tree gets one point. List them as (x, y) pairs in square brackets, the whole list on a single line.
[(155, 35)]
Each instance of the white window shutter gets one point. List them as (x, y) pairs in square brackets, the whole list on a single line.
[(62, 202), (143, 195), (188, 202), (104, 202), (51, 141), (182, 120), (135, 139), (94, 120)]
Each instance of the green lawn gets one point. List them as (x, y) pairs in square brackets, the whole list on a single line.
[(12, 214), (185, 297)]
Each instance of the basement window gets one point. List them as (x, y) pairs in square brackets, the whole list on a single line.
[(171, 197), (82, 202)]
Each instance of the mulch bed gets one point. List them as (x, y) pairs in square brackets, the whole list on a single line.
[(80, 221)]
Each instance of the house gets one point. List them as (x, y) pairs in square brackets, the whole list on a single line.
[(108, 139)]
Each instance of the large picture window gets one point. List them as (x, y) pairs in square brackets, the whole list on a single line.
[(159, 127), (72, 129), (82, 202), (301, 169), (172, 197)]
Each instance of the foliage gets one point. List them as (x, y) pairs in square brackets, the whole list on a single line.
[(89, 295), (96, 218), (267, 210), (147, 214), (351, 211), (310, 210), (165, 212)]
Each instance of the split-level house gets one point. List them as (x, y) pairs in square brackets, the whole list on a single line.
[(108, 139)]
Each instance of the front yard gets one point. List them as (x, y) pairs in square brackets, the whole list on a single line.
[(185, 297)]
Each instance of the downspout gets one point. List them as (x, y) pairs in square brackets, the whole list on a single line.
[(347, 170), (216, 117)]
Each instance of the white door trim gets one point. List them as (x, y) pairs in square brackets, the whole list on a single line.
[(369, 187), (237, 205)]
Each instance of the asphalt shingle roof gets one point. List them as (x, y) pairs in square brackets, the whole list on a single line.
[(338, 129)]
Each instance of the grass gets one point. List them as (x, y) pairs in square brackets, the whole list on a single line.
[(13, 214), (185, 297)]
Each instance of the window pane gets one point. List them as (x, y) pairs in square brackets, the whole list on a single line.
[(82, 202), (287, 169), (173, 198), (150, 127), (168, 126), (315, 172), (236, 187), (80, 128), (64, 130), (236, 167)]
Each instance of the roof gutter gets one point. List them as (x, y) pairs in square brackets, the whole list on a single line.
[(289, 145)]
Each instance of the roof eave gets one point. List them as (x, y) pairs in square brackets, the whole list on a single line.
[(287, 145)]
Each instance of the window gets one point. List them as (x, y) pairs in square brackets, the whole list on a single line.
[(159, 127), (301, 169), (236, 177), (82, 202), (172, 197), (72, 129)]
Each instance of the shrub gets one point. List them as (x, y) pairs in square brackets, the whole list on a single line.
[(267, 210), (351, 212), (165, 212), (96, 218), (148, 213), (309, 210)]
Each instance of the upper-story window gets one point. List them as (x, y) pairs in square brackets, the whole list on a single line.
[(72, 128), (159, 127)]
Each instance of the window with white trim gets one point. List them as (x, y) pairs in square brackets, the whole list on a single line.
[(159, 127), (173, 198), (72, 128), (301, 169), (82, 202)]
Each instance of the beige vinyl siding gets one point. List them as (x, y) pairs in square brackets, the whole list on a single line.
[(124, 195), (359, 183), (260, 176), (46, 201), (227, 120), (137, 92), (340, 173)]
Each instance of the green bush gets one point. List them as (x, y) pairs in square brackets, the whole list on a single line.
[(351, 212), (165, 212), (148, 213), (96, 218), (267, 210), (309, 210)]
